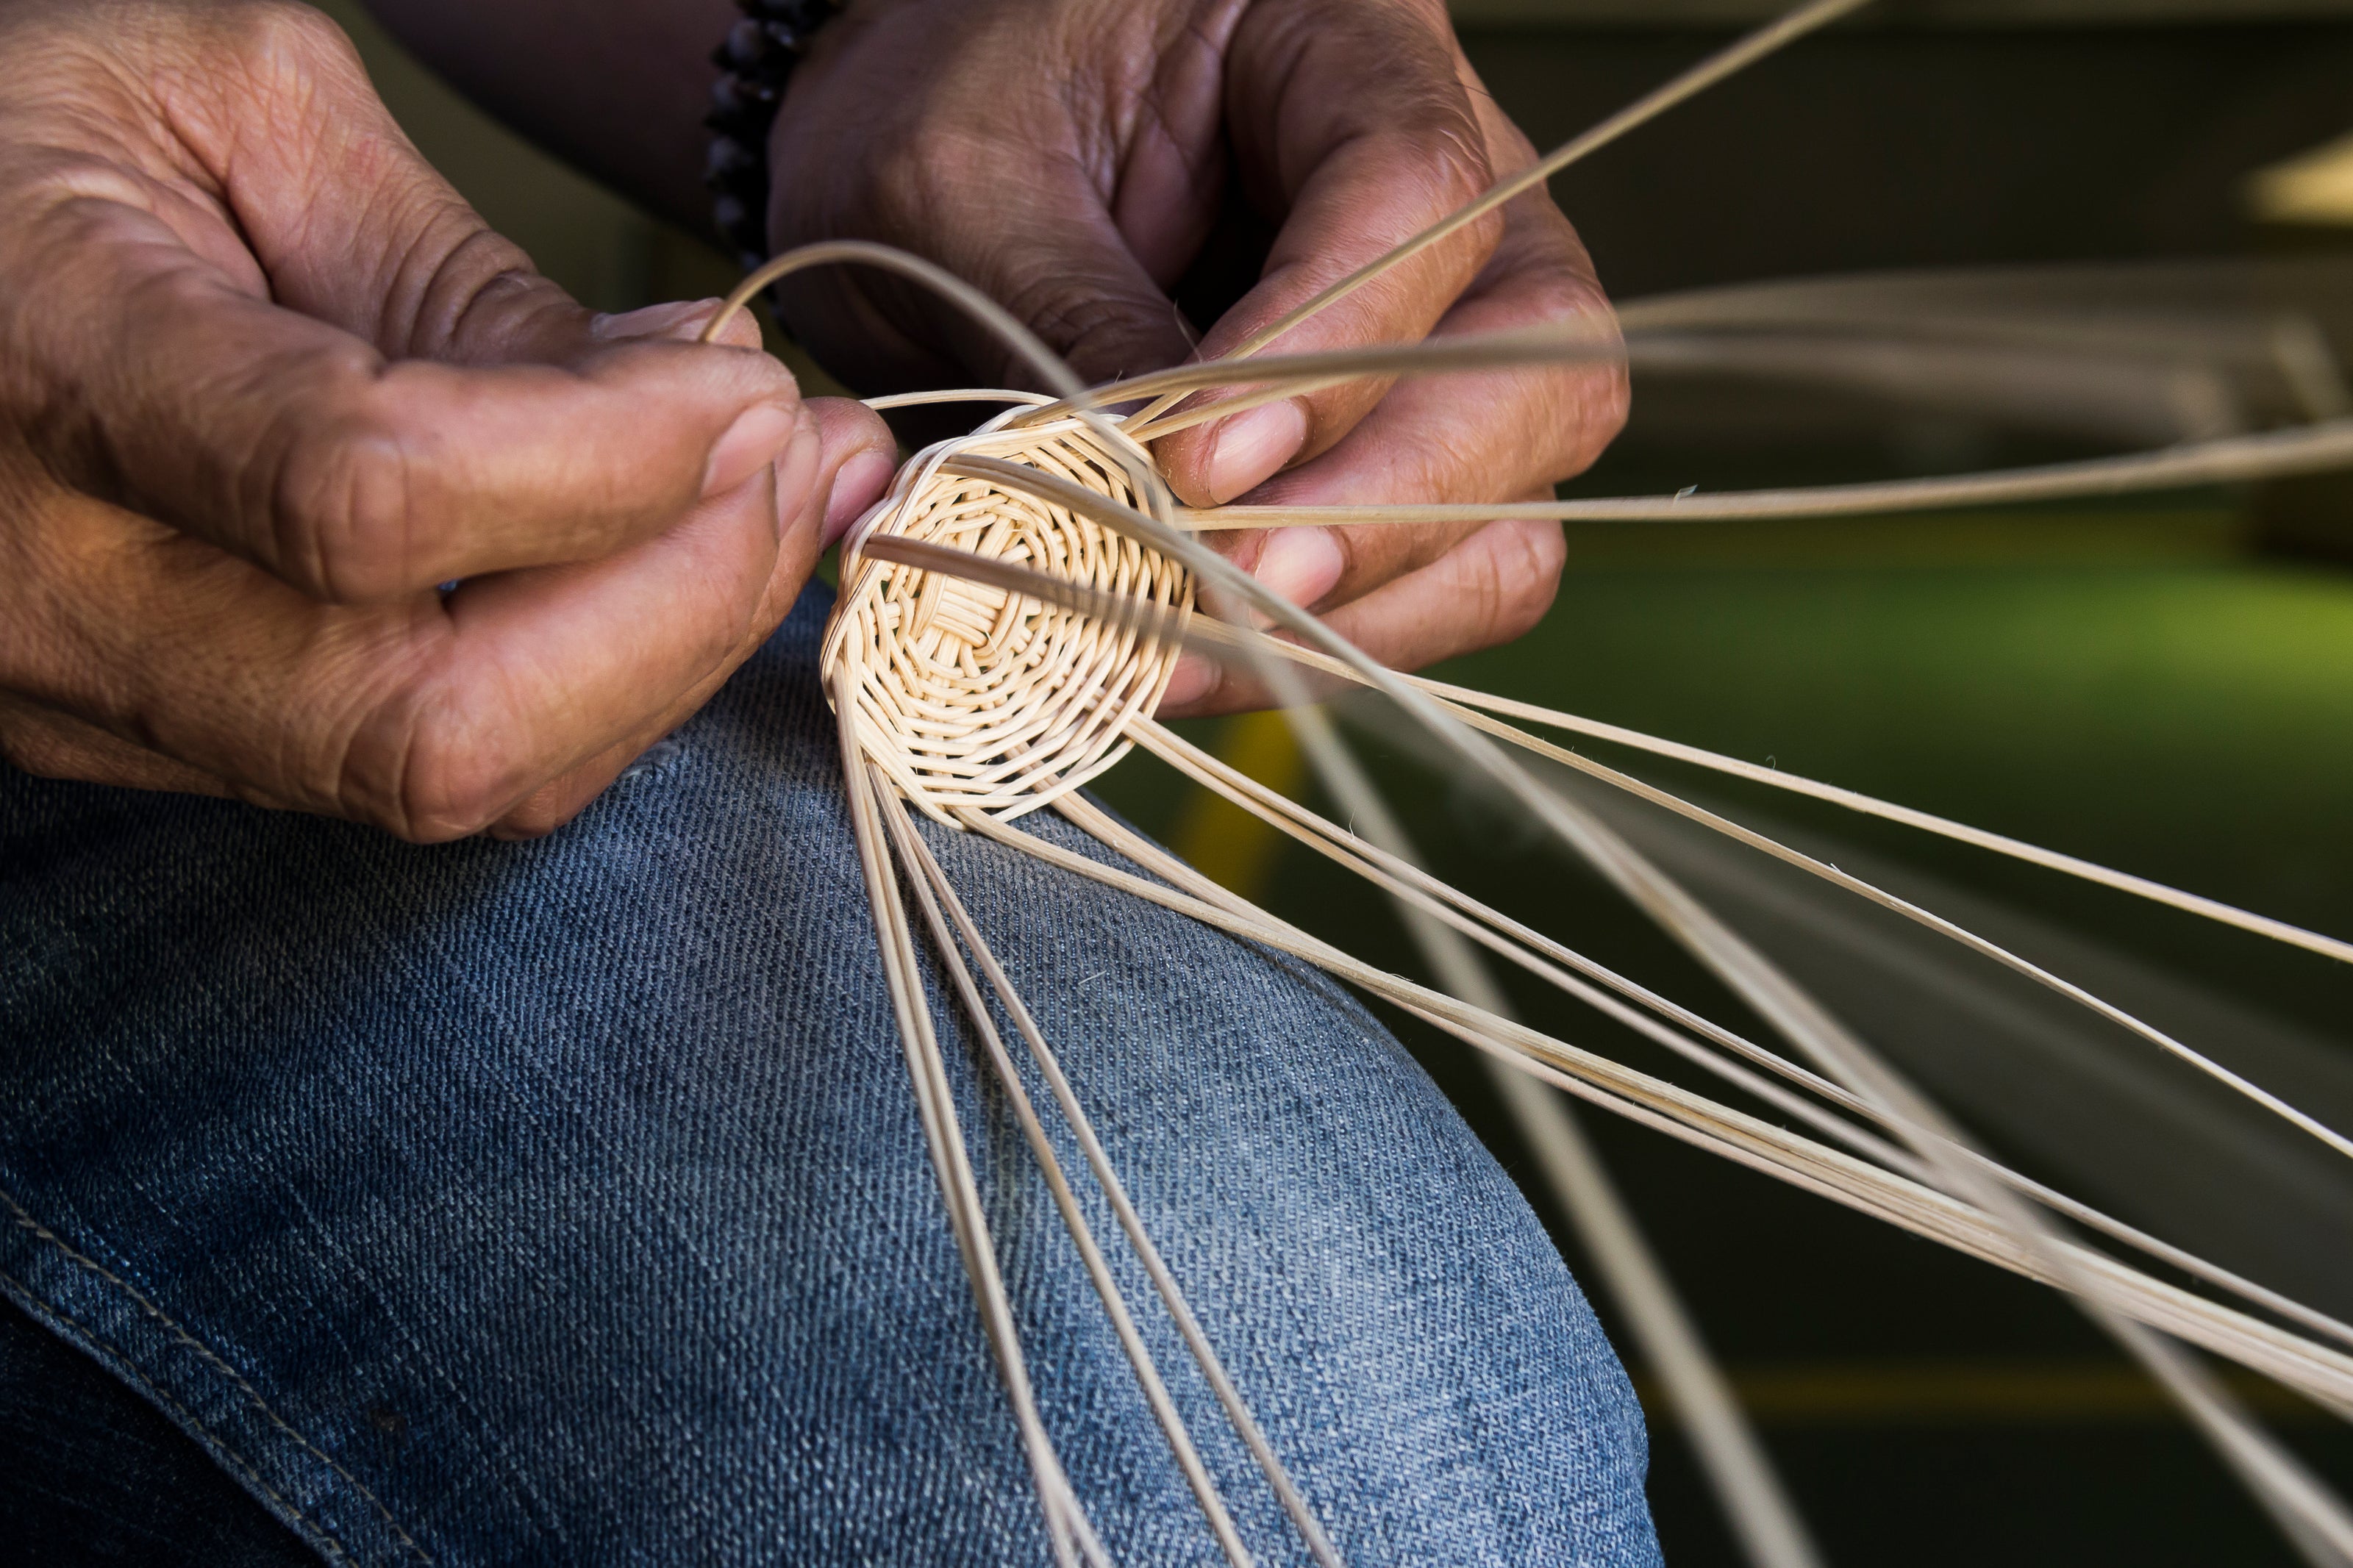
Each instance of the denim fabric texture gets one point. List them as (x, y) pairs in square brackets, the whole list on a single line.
[(92, 1474), (565, 1202)]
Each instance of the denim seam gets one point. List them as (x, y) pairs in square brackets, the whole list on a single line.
[(213, 1440), (25, 1221)]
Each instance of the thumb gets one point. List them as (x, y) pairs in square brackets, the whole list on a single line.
[(1356, 173), (296, 446)]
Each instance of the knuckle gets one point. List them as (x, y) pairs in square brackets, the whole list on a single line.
[(1528, 580), (1096, 328), (1554, 293), (1580, 410), (1433, 164), (534, 819), (1585, 402), (458, 781), (920, 177), (283, 35), (272, 50), (428, 767), (1600, 406), (476, 275), (1458, 167), (1572, 414), (345, 519), (1434, 140)]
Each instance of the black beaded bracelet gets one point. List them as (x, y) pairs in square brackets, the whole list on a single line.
[(755, 62)]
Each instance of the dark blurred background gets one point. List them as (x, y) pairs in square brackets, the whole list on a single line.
[(2165, 685)]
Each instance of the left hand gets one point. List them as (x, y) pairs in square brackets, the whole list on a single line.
[(1072, 158)]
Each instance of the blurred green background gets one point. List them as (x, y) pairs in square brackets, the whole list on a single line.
[(2162, 687)]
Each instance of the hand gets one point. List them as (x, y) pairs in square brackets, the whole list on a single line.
[(1077, 160), (268, 384)]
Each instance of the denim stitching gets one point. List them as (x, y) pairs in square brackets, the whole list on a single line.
[(335, 1548), (25, 1221)]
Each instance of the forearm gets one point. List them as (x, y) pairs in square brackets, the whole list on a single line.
[(617, 86)]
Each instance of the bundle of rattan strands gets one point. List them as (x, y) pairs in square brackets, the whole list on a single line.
[(976, 697), (1009, 618)]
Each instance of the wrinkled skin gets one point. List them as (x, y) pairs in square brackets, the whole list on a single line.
[(265, 382), (1074, 158)]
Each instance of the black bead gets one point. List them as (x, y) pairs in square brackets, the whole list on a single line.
[(727, 158), (746, 46), (732, 94), (758, 55)]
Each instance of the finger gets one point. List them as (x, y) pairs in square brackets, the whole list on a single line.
[(541, 670), (52, 746), (861, 455), (1470, 437), (863, 472), (434, 716), (1490, 588), (548, 670), (1462, 438), (1356, 172), (1459, 438)]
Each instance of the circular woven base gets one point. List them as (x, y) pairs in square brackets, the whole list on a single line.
[(975, 698)]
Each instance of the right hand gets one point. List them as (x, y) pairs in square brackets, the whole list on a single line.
[(1075, 159), (266, 382)]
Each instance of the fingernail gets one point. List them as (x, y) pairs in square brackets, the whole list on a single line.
[(1251, 447), (1189, 681), (680, 319), (1300, 563), (855, 486), (756, 439)]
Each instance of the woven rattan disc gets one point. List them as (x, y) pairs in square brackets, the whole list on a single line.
[(976, 698)]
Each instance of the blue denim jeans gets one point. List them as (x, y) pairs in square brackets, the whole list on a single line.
[(565, 1202)]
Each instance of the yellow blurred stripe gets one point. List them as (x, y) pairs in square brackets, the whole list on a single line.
[(2314, 187), (1219, 838)]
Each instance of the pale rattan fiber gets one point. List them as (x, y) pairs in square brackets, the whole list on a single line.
[(972, 697)]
